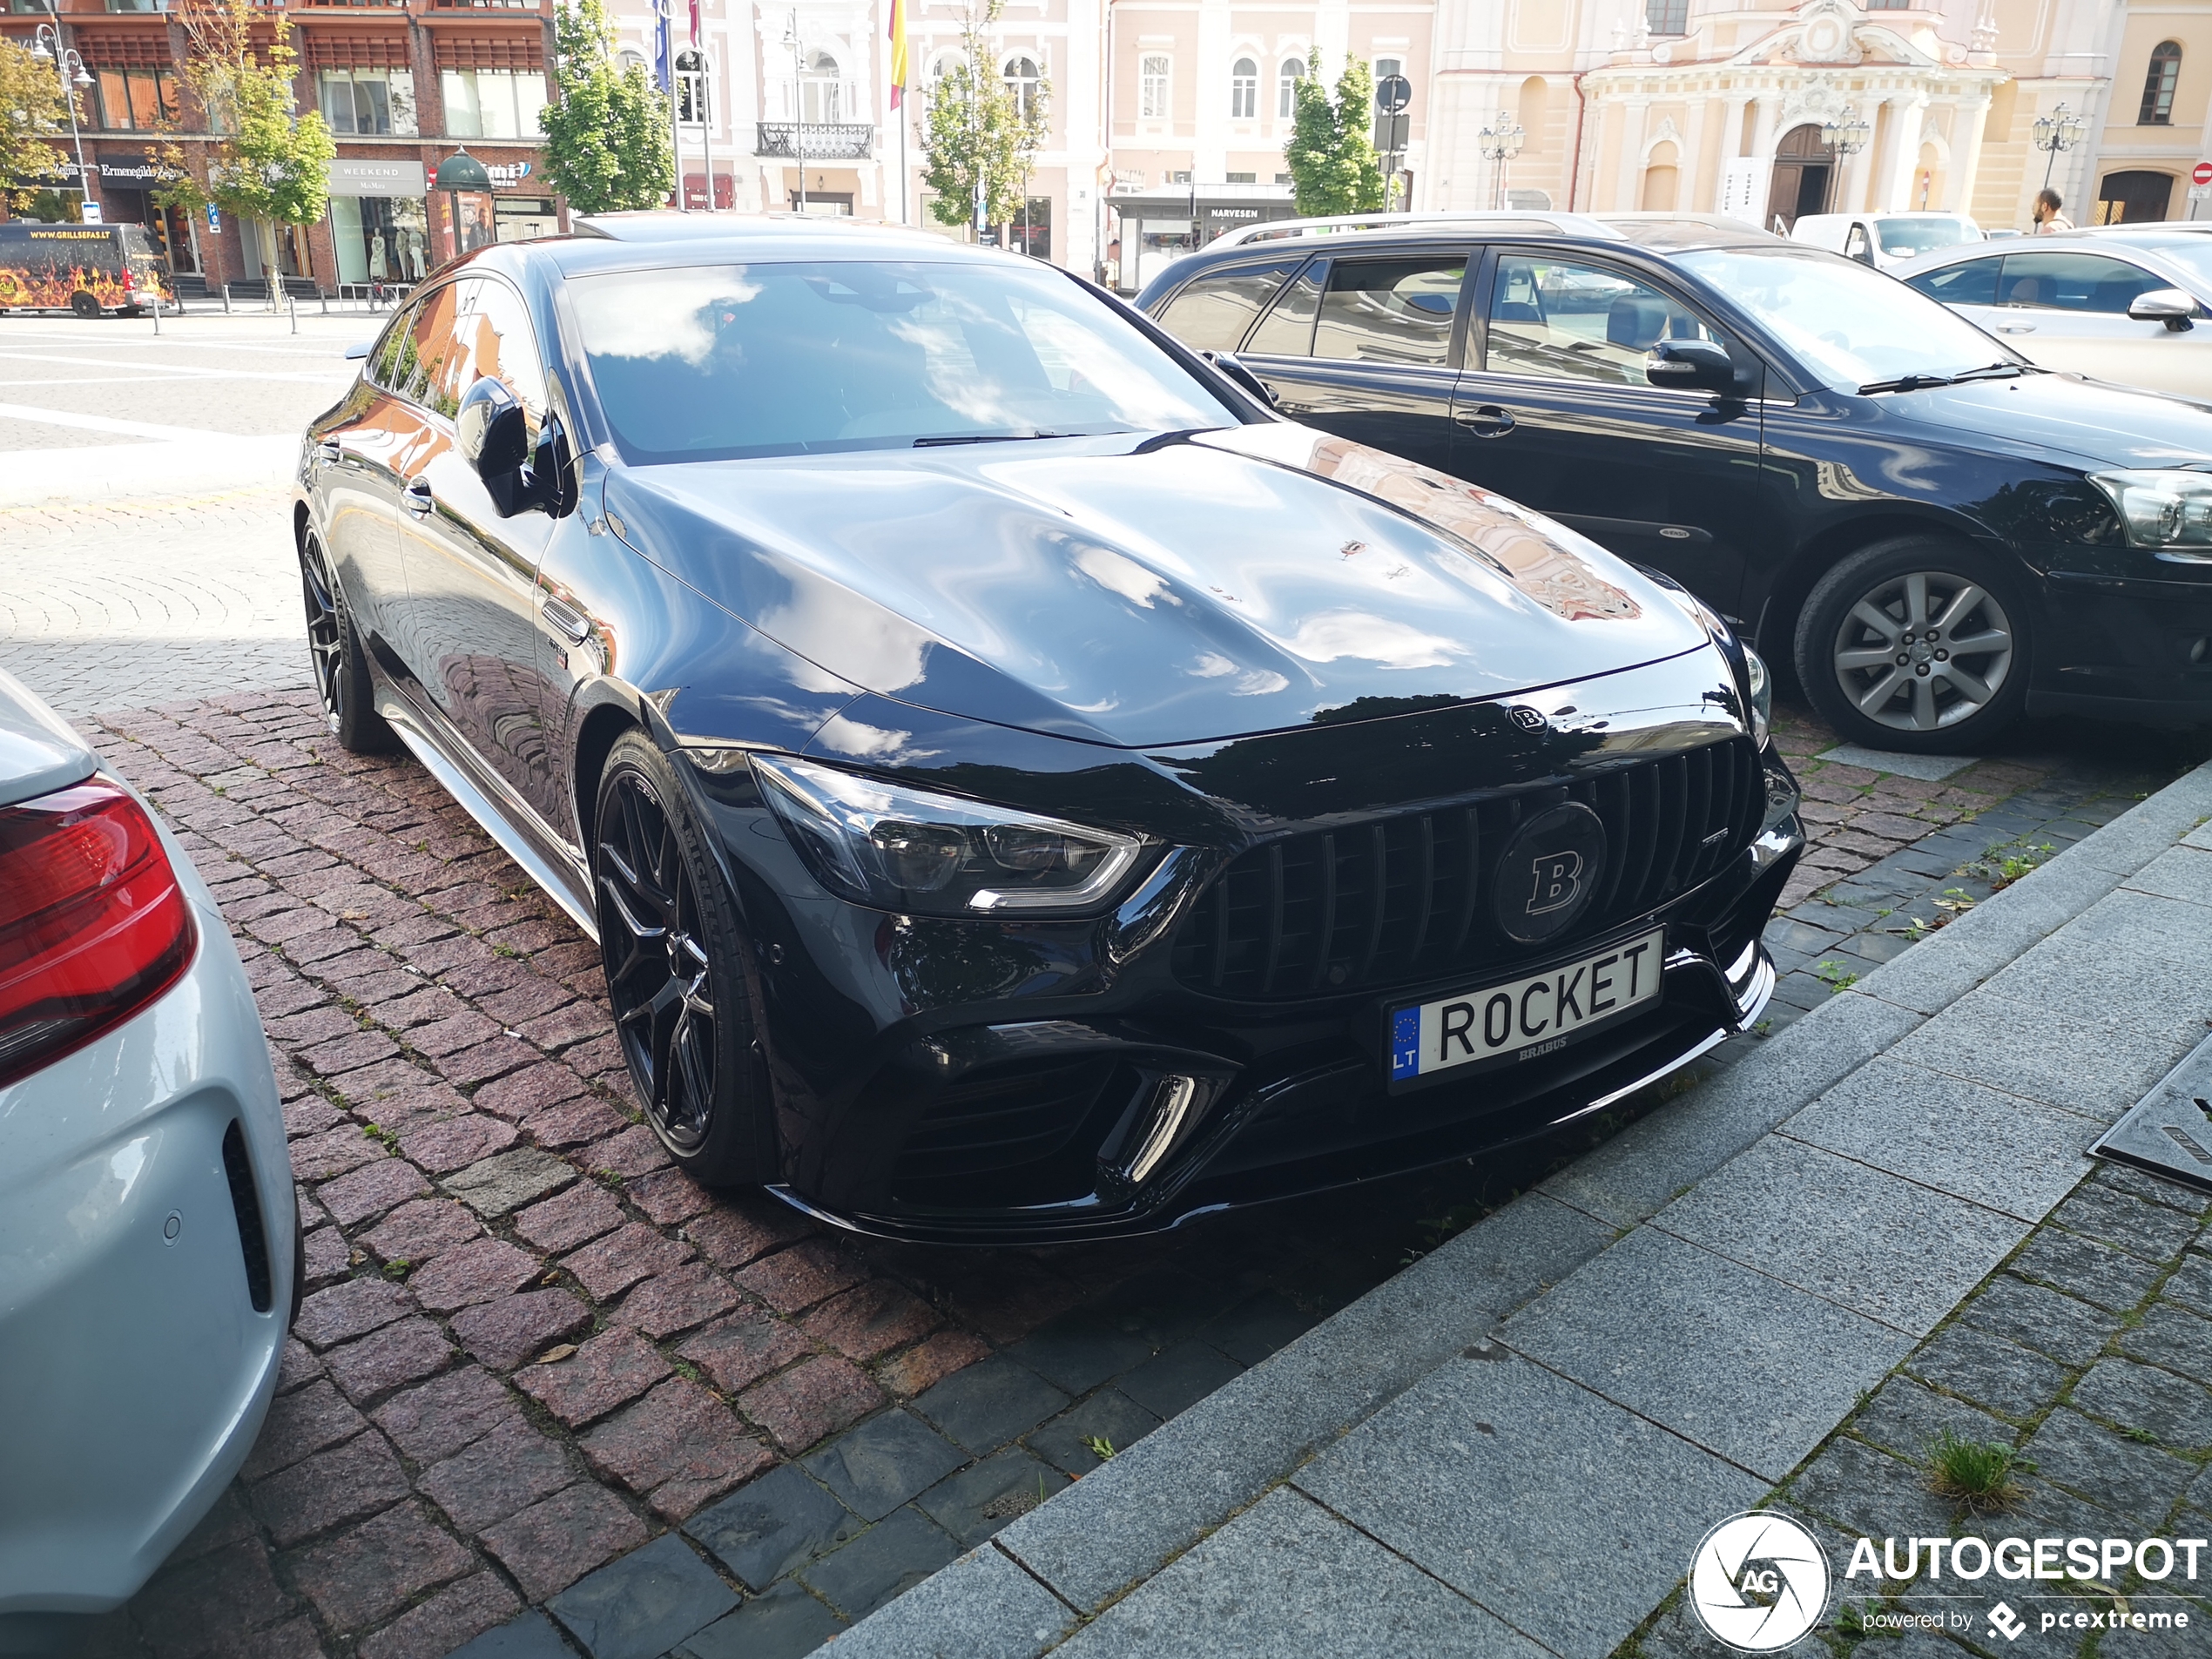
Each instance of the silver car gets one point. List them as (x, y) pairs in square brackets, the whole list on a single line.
[(2131, 303), (149, 1237)]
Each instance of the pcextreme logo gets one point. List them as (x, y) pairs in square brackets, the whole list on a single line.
[(1759, 1582)]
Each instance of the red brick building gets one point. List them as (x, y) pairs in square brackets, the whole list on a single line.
[(402, 84)]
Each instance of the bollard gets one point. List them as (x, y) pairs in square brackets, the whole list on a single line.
[(325, 300), (226, 299), (157, 316), (292, 304)]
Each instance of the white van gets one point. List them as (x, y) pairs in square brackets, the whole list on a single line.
[(1885, 240)]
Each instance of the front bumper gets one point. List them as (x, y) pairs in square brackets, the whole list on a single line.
[(135, 1367)]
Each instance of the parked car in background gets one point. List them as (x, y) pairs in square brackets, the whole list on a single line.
[(1885, 240), (2124, 303), (149, 1239), (1934, 531), (1022, 788), (91, 270)]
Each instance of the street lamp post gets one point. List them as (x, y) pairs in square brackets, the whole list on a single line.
[(1845, 135), (2058, 132), (1500, 142), (798, 105), (71, 68)]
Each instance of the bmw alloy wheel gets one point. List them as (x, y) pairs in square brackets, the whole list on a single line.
[(1922, 650), (659, 972), (325, 633)]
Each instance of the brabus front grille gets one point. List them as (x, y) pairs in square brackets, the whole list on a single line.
[(1408, 897)]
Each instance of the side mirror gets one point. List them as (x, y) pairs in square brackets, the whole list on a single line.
[(494, 438), (1690, 366), (357, 352), (550, 478), (1232, 365), (2168, 305)]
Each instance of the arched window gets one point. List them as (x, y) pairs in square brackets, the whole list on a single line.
[(940, 67), (1022, 79), (629, 58), (1286, 80), (1152, 87), (690, 89), (1244, 90), (2158, 85), (819, 97)]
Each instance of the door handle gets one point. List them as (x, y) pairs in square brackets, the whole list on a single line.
[(330, 452), (566, 621), (418, 497), (2015, 327), (1484, 420)]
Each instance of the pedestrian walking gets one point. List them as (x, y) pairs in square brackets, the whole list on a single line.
[(2048, 218)]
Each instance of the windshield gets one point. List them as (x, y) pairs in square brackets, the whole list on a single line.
[(709, 362), (1851, 326), (1922, 233)]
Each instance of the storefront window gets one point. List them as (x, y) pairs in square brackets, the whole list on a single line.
[(379, 239), (492, 102), (136, 100), (370, 102)]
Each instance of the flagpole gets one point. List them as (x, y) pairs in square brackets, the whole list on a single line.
[(901, 113)]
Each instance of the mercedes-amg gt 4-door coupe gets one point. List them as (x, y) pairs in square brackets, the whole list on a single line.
[(1022, 787)]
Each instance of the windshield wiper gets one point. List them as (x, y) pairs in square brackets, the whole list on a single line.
[(1993, 372), (1906, 383), (998, 437)]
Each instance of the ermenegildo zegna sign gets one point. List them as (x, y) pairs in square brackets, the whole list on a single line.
[(354, 176)]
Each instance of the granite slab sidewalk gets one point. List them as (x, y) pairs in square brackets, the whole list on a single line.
[(1512, 1447)]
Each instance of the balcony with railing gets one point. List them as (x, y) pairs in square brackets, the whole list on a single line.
[(353, 5), (486, 5), (815, 141)]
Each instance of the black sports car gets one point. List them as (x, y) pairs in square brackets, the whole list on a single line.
[(1934, 533), (1023, 787)]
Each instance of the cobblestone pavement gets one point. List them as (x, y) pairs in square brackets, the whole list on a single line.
[(539, 1369), (117, 606), (2089, 1354)]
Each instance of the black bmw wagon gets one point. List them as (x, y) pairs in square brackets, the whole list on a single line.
[(1023, 787), (1933, 533)]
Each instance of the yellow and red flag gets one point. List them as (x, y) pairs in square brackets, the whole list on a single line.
[(898, 11)]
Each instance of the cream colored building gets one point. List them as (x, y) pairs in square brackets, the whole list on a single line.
[(1169, 118)]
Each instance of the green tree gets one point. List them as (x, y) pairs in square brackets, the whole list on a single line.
[(33, 119), (607, 142), (976, 131), (1332, 151), (271, 162)]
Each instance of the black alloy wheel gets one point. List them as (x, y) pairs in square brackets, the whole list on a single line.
[(84, 305), (1918, 645), (682, 1005), (334, 656)]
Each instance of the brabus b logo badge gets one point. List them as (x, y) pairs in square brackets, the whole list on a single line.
[(1559, 882), (1527, 718)]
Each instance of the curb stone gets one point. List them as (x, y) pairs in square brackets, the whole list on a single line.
[(1099, 1538)]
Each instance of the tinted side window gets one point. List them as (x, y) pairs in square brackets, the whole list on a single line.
[(1213, 313), (1391, 310), (2073, 281), (495, 337), (429, 358), (1567, 320), (384, 360), (1973, 283), (1288, 331)]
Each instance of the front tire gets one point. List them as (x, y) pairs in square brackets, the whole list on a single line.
[(84, 305), (676, 964), (339, 665), (1918, 645)]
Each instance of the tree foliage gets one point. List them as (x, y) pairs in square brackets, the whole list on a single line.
[(270, 161), (975, 129), (1332, 151), (33, 119), (607, 142)]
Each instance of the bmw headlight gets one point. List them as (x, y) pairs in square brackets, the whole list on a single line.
[(2163, 508), (909, 850), (1760, 685)]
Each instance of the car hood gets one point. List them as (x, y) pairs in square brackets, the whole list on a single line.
[(1148, 593), (39, 753), (2063, 414)]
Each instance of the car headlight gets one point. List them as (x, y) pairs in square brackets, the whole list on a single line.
[(2161, 508), (1760, 684), (909, 850)]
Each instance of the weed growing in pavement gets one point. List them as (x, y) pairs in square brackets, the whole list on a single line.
[(1837, 976), (1977, 1473), (398, 1268), (684, 1368), (1956, 900), (2141, 1436), (1099, 1447), (377, 1132), (2007, 861)]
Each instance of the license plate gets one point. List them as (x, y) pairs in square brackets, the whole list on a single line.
[(1525, 1019)]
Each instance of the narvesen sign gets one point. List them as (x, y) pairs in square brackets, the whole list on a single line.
[(1760, 1582)]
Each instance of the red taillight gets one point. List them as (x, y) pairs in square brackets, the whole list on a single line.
[(93, 923)]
